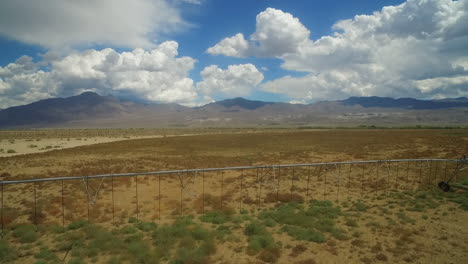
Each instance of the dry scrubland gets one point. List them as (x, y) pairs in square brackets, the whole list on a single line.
[(350, 214), (20, 142)]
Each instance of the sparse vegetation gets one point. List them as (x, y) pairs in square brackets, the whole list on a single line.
[(257, 223), (25, 233)]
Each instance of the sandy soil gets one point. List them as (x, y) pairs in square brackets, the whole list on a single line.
[(9, 148), (435, 231)]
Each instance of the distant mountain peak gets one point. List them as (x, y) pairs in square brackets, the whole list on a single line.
[(89, 94), (405, 103), (242, 103), (91, 109)]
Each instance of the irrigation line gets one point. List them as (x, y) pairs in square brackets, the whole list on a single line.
[(396, 174), (35, 204), (321, 169), (241, 190), (222, 190), (349, 177), (339, 183), (256, 183), (159, 197), (278, 184), (407, 174), (87, 195), (63, 206), (260, 184), (420, 173), (203, 192), (292, 184), (113, 204), (2, 208), (325, 184), (219, 169), (136, 196), (362, 182), (308, 182)]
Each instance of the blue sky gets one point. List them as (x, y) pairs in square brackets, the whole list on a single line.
[(273, 50)]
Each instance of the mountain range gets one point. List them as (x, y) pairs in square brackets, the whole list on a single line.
[(92, 110)]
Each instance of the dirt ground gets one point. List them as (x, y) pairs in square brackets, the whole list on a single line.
[(434, 235)]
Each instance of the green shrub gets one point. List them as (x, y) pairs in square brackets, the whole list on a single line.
[(76, 261), (254, 228), (11, 151), (146, 226), (127, 230), (222, 231), (57, 229), (262, 241), (45, 254), (7, 253), (351, 222), (302, 233), (26, 233), (195, 255), (259, 238), (404, 218), (191, 239), (215, 217), (360, 206), (307, 223), (77, 224)]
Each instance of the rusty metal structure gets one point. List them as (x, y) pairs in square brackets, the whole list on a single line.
[(189, 191)]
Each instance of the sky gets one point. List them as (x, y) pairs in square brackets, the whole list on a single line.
[(193, 52)]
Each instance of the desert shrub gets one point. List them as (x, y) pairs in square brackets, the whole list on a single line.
[(269, 222), (359, 206), (76, 261), (67, 239), (192, 241), (222, 231), (297, 250), (133, 220), (215, 217), (254, 228), (459, 198), (49, 256), (283, 197), (146, 226), (25, 233), (140, 252), (11, 151), (197, 255), (406, 219), (307, 223), (270, 255), (7, 253), (351, 222), (57, 229), (77, 224), (128, 230), (306, 234), (260, 240)]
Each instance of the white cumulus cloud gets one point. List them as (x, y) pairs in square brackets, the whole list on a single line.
[(236, 80), (59, 24), (418, 49), (155, 75), (277, 33)]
